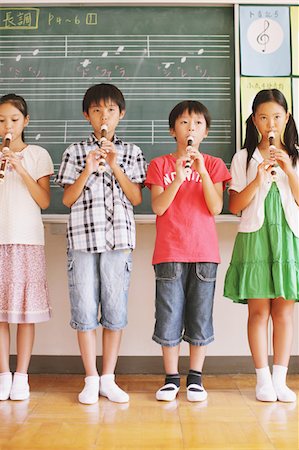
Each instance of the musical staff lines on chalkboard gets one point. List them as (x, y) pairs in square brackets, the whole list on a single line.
[(52, 89), (45, 132), (115, 46)]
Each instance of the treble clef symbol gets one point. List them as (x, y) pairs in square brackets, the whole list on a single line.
[(263, 37)]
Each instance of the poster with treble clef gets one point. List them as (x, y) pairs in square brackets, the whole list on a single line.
[(265, 40)]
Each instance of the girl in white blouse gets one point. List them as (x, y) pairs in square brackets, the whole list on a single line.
[(24, 191), (264, 270)]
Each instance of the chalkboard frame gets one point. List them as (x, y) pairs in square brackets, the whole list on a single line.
[(235, 116)]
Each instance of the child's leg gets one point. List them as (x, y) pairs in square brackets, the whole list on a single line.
[(83, 275), (87, 344), (110, 344), (282, 317), (199, 330), (108, 387), (197, 356), (195, 390), (258, 318), (171, 359), (4, 347), (5, 374), (115, 270), (25, 339), (169, 391)]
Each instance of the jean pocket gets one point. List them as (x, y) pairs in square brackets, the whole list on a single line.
[(70, 268), (206, 271), (168, 271), (128, 270)]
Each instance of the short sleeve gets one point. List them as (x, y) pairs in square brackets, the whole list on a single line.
[(238, 172), (218, 171), (44, 165), (67, 173), (154, 175), (140, 167)]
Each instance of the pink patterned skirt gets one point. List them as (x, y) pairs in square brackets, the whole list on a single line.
[(24, 294)]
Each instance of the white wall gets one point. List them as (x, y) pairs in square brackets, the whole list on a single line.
[(56, 337)]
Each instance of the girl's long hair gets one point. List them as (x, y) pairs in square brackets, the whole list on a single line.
[(290, 137), (18, 102)]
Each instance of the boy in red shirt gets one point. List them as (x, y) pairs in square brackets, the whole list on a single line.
[(186, 252)]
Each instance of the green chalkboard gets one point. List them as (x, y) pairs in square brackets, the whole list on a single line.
[(157, 56)]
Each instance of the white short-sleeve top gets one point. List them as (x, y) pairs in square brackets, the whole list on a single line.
[(252, 217), (20, 215)]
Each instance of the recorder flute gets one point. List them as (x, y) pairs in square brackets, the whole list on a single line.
[(271, 136), (188, 163), (102, 162), (4, 162)]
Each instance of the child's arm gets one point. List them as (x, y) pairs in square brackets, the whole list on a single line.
[(294, 185), (162, 199), (285, 163), (39, 190), (240, 200), (131, 190), (213, 193), (73, 191)]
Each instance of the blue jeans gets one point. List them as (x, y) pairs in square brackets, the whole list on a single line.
[(184, 303), (99, 281)]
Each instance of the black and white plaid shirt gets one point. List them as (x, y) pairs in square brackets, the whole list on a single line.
[(102, 218)]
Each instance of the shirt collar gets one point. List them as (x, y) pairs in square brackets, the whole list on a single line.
[(91, 140), (257, 156)]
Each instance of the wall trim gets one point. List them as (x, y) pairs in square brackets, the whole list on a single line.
[(48, 364)]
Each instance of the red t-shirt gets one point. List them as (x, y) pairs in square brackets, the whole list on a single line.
[(186, 232)]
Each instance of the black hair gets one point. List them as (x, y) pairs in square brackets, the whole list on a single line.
[(105, 92), (290, 133), (191, 106), (18, 102)]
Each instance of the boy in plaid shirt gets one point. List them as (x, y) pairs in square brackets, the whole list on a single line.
[(101, 235)]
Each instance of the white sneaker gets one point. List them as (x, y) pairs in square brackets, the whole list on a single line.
[(20, 387), (90, 393), (109, 389), (168, 392), (5, 385), (196, 393), (265, 393)]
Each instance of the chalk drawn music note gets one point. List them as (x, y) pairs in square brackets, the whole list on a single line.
[(200, 51), (265, 35), (167, 64), (37, 137), (85, 63), (18, 57), (183, 59), (120, 49), (35, 52), (263, 38), (104, 54)]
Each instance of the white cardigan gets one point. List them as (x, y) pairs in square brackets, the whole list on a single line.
[(253, 215)]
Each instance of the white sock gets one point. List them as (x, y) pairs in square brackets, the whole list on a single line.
[(109, 389), (284, 394), (264, 389), (90, 393), (5, 385), (20, 387)]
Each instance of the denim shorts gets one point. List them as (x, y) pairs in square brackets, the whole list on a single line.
[(184, 303), (99, 281)]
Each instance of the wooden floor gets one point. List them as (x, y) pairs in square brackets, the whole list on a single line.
[(230, 419)]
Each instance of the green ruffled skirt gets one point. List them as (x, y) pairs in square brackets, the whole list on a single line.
[(265, 263)]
